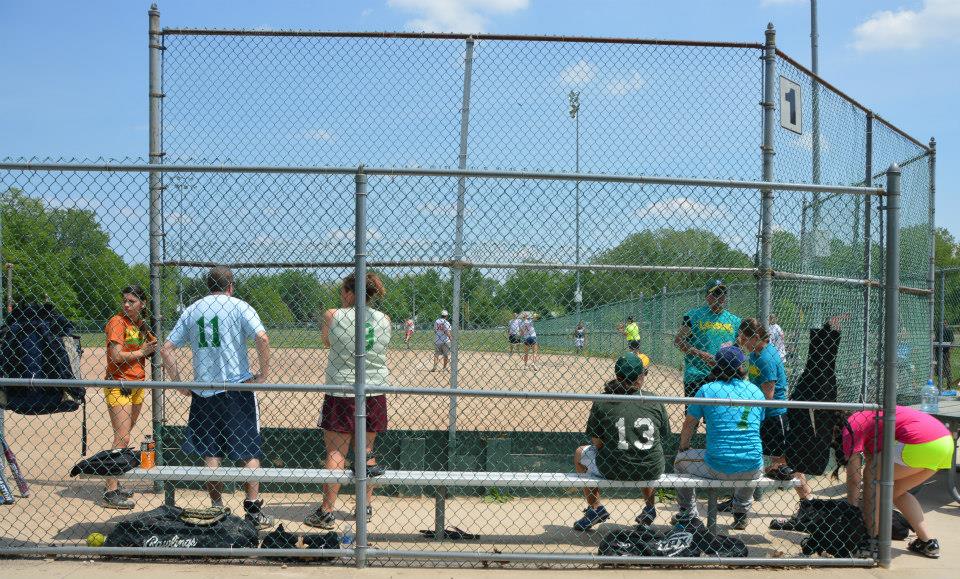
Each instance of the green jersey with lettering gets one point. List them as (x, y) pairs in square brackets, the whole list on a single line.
[(341, 364), (632, 435), (708, 332)]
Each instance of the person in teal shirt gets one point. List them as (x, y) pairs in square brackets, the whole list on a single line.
[(734, 450), (765, 369), (704, 331)]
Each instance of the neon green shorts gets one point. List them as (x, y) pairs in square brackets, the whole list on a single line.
[(934, 455)]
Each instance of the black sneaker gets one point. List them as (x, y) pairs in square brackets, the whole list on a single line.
[(320, 519), (369, 513), (781, 473), (115, 500), (725, 506), (739, 521), (124, 492), (591, 516), (929, 548), (375, 470), (255, 514), (791, 524), (647, 516)]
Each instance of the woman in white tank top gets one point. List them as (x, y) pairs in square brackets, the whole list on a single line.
[(337, 415)]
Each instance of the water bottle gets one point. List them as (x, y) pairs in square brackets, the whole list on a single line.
[(930, 398), (346, 534)]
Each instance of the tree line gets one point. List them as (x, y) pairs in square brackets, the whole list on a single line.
[(63, 255)]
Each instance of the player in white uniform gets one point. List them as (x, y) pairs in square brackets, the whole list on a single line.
[(222, 424), (579, 338), (441, 340), (529, 335), (513, 331), (408, 327)]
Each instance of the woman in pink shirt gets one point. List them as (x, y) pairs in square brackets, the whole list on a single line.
[(923, 446)]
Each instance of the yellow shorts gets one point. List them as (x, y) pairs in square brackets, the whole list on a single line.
[(116, 398), (934, 455)]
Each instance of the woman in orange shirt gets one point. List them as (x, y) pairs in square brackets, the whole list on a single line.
[(129, 344)]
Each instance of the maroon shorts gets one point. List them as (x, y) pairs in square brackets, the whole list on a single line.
[(337, 413)]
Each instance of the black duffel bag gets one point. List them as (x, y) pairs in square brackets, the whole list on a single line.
[(163, 527)]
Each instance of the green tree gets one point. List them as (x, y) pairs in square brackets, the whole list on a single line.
[(42, 265), (97, 273), (261, 292)]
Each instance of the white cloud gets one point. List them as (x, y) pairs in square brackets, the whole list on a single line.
[(578, 74), (624, 86), (455, 15), (175, 218), (441, 209), (683, 208), (131, 212), (346, 234), (805, 142), (319, 135), (935, 21)]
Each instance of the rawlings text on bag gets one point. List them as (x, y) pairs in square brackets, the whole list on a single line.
[(37, 342), (164, 527)]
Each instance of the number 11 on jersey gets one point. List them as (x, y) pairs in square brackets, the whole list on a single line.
[(214, 331)]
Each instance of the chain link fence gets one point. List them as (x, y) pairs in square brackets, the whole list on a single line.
[(486, 398), (947, 313)]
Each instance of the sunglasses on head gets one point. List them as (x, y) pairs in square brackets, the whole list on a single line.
[(718, 292)]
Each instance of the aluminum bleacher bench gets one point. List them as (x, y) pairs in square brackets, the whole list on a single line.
[(448, 478)]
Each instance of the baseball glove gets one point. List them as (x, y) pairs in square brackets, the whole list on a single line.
[(205, 516)]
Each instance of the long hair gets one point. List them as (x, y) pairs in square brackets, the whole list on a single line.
[(374, 289)]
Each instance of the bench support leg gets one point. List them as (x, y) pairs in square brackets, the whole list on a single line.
[(439, 511), (169, 494), (712, 510)]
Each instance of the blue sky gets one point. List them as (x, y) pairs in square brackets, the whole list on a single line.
[(75, 73)]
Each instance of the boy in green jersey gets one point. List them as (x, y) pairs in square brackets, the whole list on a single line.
[(626, 440)]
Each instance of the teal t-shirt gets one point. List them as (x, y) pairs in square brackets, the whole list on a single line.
[(708, 332), (767, 366), (733, 432)]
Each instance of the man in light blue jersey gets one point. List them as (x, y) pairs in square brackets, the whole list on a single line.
[(222, 424)]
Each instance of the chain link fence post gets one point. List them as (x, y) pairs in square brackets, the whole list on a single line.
[(892, 320), (360, 353), (766, 216), (156, 233), (440, 512)]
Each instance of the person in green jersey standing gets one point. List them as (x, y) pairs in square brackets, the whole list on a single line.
[(625, 440), (704, 331)]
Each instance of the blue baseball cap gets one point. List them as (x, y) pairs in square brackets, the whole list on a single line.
[(729, 357)]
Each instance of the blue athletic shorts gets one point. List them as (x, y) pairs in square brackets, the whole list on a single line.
[(226, 425), (530, 340)]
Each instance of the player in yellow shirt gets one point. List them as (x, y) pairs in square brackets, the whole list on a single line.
[(631, 331)]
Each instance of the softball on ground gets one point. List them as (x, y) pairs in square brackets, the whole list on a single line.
[(95, 540)]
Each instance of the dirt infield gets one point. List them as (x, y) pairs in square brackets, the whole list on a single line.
[(478, 371)]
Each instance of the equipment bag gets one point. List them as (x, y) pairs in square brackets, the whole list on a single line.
[(164, 527), (691, 539), (37, 342)]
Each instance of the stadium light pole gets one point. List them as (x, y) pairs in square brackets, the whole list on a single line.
[(574, 98)]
